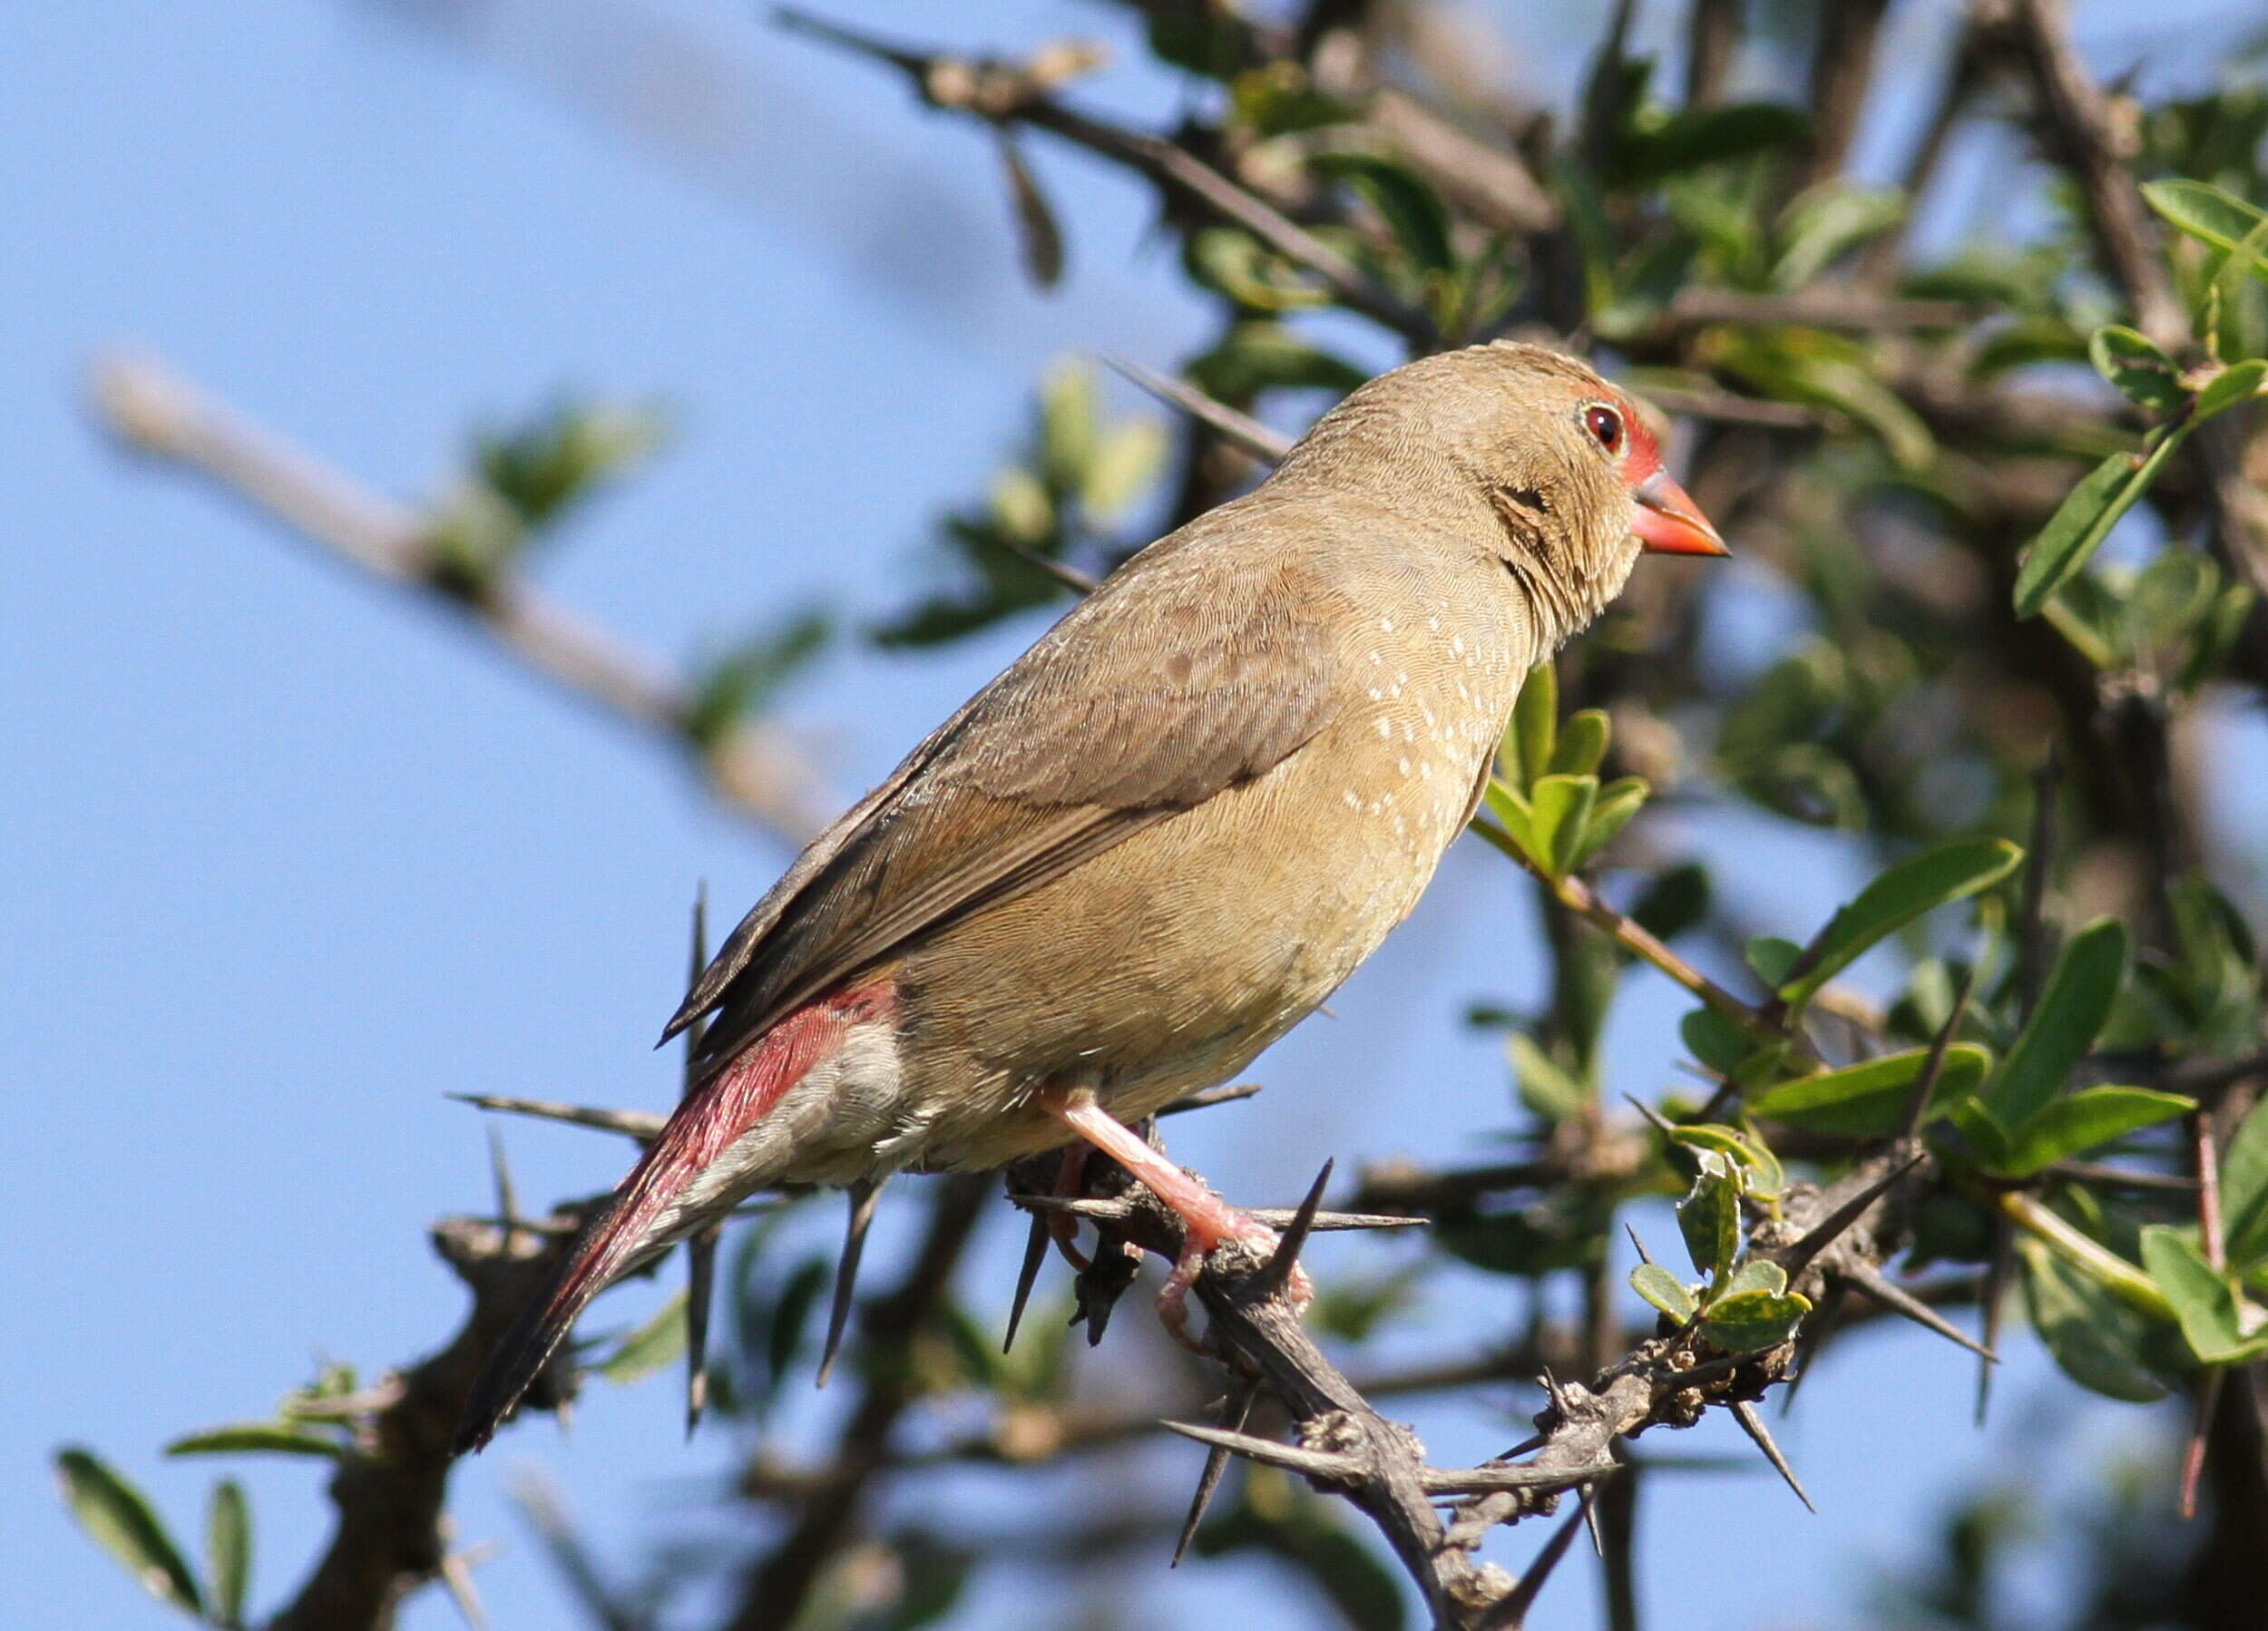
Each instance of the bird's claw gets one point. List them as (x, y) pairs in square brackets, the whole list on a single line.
[(1198, 1242)]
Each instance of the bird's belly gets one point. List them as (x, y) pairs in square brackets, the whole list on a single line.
[(1178, 956)]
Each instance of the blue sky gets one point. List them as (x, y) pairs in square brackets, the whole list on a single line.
[(288, 860)]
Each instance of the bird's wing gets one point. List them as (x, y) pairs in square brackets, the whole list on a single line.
[(1150, 697)]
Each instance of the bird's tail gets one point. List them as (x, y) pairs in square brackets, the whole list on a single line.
[(658, 1204)]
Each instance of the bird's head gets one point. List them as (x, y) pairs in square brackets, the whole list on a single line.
[(1529, 453)]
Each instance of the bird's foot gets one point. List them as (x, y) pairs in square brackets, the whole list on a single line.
[(1207, 1227), (1207, 1221)]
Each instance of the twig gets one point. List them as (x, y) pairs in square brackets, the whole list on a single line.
[(1005, 94), (2077, 123), (157, 412)]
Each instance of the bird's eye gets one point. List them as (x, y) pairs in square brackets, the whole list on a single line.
[(1605, 425)]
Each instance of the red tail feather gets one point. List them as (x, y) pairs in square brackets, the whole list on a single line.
[(634, 1224)]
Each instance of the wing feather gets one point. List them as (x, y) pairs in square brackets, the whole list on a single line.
[(1135, 708)]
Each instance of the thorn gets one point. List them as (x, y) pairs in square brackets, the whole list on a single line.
[(1811, 1336), (1278, 1272), (697, 965), (1512, 1613), (500, 1171), (1932, 1068), (1323, 1464), (640, 1125), (1211, 1096), (1631, 1229), (1798, 1257), (1589, 1509), (1243, 431), (457, 1576), (1235, 1412), (1753, 1425), (1277, 1217), (1994, 1293), (1662, 1124), (700, 1282), (1035, 1251), (1062, 571), (863, 1196), (1899, 1299)]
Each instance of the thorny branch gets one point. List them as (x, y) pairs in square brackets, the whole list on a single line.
[(1340, 1443)]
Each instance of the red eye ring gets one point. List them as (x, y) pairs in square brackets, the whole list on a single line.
[(1605, 425)]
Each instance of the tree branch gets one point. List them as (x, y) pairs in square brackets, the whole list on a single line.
[(155, 411)]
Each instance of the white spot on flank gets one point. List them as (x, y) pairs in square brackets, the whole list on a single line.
[(1386, 625), (1375, 657), (1352, 801), (1385, 727), (1434, 624), (1402, 766), (1457, 644), (1375, 693)]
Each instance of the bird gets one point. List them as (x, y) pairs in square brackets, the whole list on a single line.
[(1165, 834)]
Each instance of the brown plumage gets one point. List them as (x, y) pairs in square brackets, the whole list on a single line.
[(1169, 830)]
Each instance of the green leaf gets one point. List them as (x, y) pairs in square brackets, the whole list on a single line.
[(1068, 419), (1983, 1130), (1561, 806), (657, 1342), (2143, 372), (1826, 221), (1918, 884), (1770, 958), (2219, 1328), (2085, 518), (260, 1437), (2207, 214), (1760, 1274), (2225, 296), (2097, 1339), (1752, 1320), (1231, 261), (1515, 815), (1709, 1217), (1715, 1040), (1616, 803), (2239, 383), (1673, 901), (730, 689), (1868, 1100), (2092, 1116), (1582, 743), (2072, 1009), (1126, 459), (1545, 1087), (1664, 1290), (2245, 1190), (1760, 1170), (1535, 725), (228, 1552), (1409, 207), (1258, 356), (119, 1519)]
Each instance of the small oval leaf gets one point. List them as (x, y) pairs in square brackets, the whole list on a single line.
[(120, 1519)]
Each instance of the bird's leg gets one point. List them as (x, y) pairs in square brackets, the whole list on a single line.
[(1207, 1220)]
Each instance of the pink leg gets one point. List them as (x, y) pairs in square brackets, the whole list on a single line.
[(1207, 1219)]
